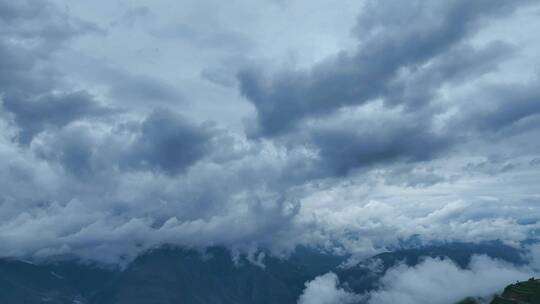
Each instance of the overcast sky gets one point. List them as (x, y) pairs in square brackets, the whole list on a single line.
[(349, 125)]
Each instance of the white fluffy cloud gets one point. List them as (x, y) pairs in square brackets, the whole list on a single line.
[(433, 281), (325, 289), (437, 281)]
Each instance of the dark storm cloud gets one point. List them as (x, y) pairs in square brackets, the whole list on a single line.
[(392, 37), (169, 143)]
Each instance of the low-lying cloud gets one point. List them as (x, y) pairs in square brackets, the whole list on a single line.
[(325, 290), (434, 281)]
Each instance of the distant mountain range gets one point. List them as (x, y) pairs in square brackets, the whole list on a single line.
[(175, 275)]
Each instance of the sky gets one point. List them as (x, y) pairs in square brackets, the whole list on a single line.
[(353, 126)]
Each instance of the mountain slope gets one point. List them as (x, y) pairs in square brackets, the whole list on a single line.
[(55, 283), (527, 292), (175, 275), (181, 276)]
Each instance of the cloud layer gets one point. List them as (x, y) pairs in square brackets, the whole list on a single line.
[(124, 130)]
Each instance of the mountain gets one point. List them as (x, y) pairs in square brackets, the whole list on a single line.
[(176, 275), (165, 275), (55, 283), (172, 275)]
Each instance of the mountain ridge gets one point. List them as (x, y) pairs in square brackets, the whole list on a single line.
[(171, 274)]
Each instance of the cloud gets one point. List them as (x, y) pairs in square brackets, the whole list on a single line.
[(325, 289), (386, 48), (169, 143), (31, 33), (443, 282), (509, 105), (420, 86), (52, 110), (159, 190), (414, 131), (372, 137), (394, 82), (142, 89), (205, 37), (433, 280)]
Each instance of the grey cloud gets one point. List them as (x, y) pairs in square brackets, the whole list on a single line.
[(219, 76), (55, 26), (346, 147), (401, 67), (53, 110), (506, 105), (418, 86), (169, 143), (413, 176), (127, 89), (74, 151), (132, 191), (386, 47), (32, 31), (493, 165), (84, 154)]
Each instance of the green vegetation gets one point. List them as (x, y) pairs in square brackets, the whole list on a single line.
[(521, 292), (527, 292)]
